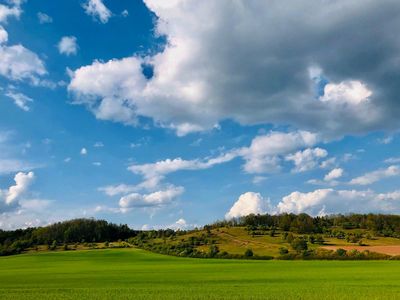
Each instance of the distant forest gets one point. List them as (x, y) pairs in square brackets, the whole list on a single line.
[(94, 231)]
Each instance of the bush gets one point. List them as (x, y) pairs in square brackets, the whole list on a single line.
[(283, 251), (299, 244), (341, 252), (248, 253)]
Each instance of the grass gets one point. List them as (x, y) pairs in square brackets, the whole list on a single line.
[(137, 274)]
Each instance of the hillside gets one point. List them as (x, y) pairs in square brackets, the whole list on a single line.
[(237, 240), (286, 236)]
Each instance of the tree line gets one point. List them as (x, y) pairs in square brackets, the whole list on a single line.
[(73, 231), (168, 241), (380, 224)]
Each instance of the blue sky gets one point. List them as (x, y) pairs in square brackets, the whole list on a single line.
[(179, 113)]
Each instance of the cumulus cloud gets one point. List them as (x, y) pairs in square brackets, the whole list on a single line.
[(22, 182), (375, 176), (231, 69), (329, 201), (266, 151), (307, 159), (84, 151), (19, 63), (68, 45), (3, 35), (97, 10), (351, 92), (249, 203), (152, 200), (20, 100), (9, 198), (44, 18), (264, 155), (7, 11), (334, 174)]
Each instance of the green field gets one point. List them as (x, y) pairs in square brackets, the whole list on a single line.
[(136, 274)]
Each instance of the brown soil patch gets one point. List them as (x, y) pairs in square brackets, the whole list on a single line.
[(390, 250)]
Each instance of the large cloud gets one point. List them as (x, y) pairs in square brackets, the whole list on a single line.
[(319, 202), (7, 11), (329, 201), (9, 197), (249, 203), (19, 63), (258, 62)]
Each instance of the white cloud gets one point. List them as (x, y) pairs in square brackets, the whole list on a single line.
[(68, 45), (193, 87), (44, 18), (97, 164), (111, 78), (265, 151), (375, 176), (328, 163), (249, 203), (152, 200), (20, 100), (7, 11), (334, 174), (18, 63), (392, 160), (3, 35), (349, 92), (307, 159), (22, 182), (329, 201), (84, 151), (263, 155), (97, 10), (9, 198)]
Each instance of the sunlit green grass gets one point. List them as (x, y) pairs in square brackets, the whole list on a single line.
[(136, 274)]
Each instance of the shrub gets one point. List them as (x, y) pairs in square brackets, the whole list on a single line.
[(248, 253)]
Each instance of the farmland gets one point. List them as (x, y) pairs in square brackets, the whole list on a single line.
[(137, 274)]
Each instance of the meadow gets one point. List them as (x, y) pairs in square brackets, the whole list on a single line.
[(138, 274)]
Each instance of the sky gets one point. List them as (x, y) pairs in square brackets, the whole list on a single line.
[(179, 113)]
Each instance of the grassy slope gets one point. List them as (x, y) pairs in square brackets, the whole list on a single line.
[(236, 240), (136, 274)]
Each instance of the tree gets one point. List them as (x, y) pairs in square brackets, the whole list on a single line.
[(299, 244), (341, 252), (214, 250), (283, 251), (248, 253), (53, 245)]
